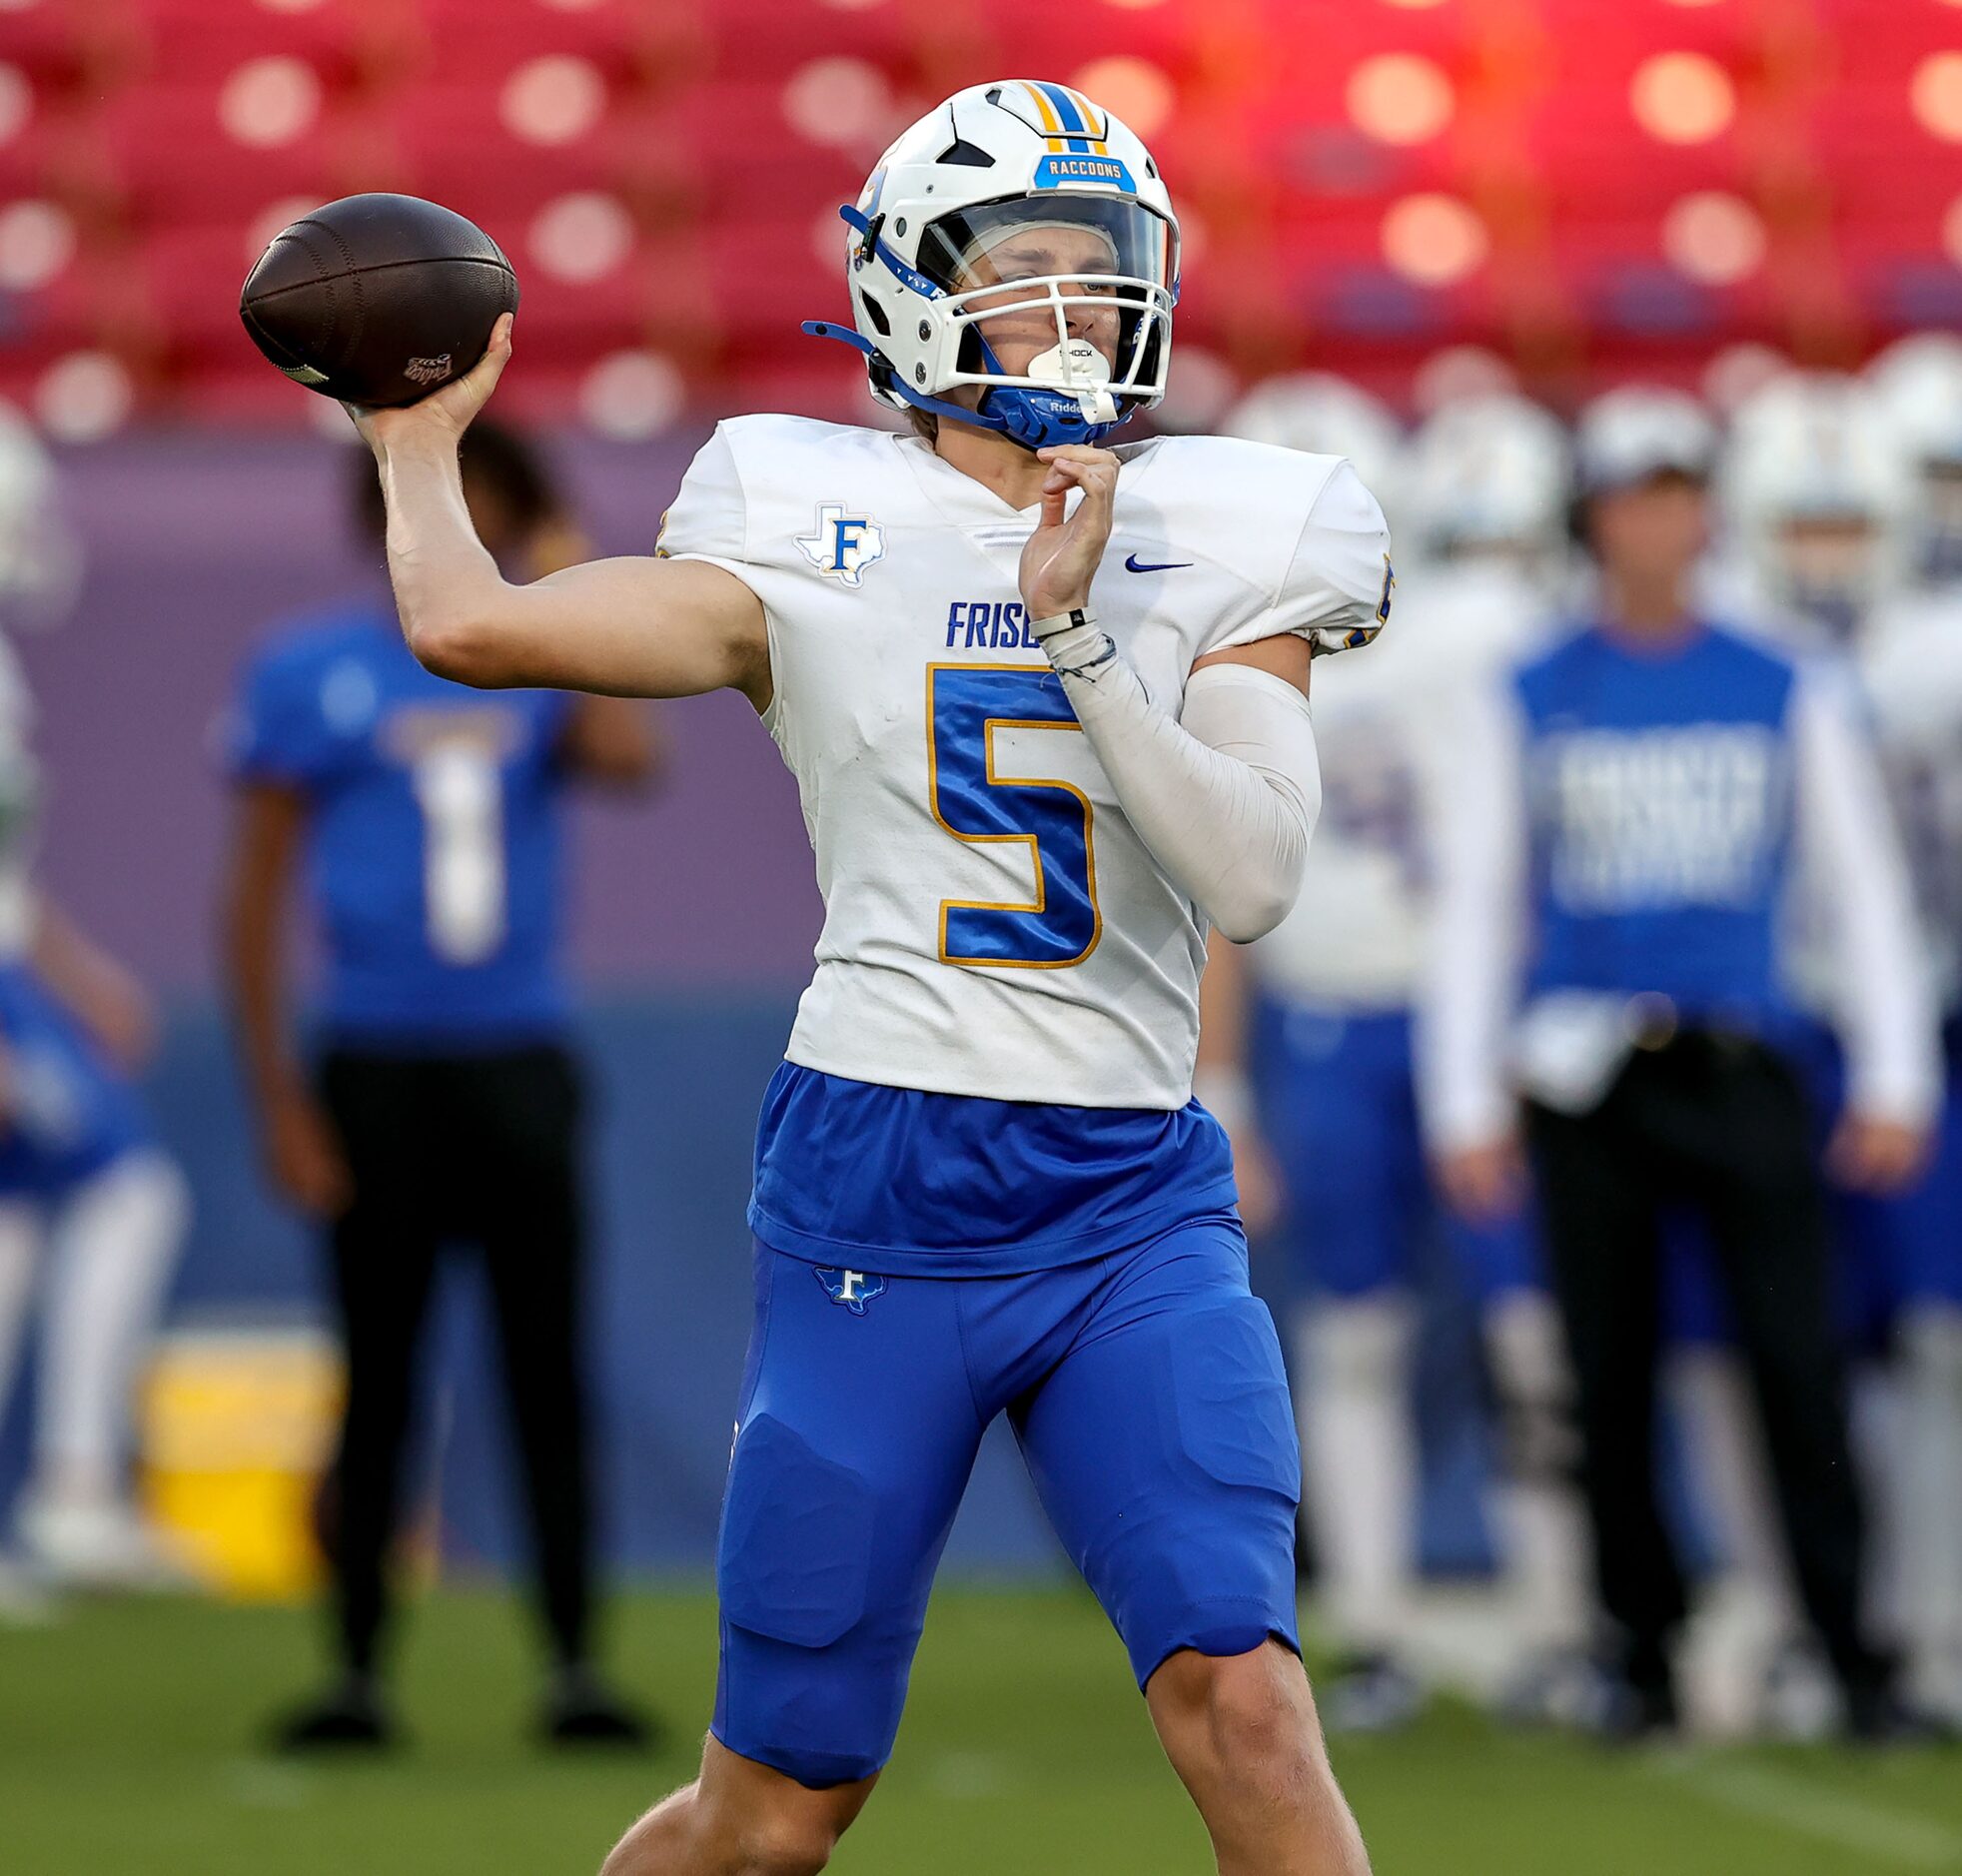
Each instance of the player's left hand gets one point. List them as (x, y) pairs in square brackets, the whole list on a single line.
[(1869, 1152), (1062, 555)]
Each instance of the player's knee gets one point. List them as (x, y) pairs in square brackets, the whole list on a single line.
[(1532, 1392), (1358, 1345), (1259, 1711), (1253, 1711), (789, 1843), (751, 1838)]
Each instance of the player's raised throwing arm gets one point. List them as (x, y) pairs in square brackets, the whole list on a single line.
[(630, 627)]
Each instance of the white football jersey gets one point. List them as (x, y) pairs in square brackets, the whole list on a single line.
[(1356, 937), (993, 926), (1911, 661)]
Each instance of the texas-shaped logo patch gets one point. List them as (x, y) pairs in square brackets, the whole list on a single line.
[(842, 546), (854, 1289)]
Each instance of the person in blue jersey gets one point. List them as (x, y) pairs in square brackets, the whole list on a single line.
[(1630, 810), (443, 1105)]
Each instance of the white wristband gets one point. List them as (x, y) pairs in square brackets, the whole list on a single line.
[(1073, 642)]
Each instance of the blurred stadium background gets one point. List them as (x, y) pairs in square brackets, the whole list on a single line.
[(1423, 196)]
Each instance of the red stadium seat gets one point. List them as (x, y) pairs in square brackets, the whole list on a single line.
[(727, 134)]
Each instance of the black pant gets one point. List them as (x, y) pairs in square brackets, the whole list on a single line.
[(1719, 1124), (477, 1149)]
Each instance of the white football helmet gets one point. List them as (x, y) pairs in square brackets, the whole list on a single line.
[(1489, 474), (1918, 381), (1815, 488), (1328, 416), (1636, 432), (966, 205)]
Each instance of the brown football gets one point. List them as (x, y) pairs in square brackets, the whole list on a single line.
[(377, 299)]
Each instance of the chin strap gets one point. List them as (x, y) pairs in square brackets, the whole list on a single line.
[(1037, 420)]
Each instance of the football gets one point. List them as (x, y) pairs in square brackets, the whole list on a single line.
[(377, 299)]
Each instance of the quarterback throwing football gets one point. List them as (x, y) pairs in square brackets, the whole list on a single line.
[(982, 1182)]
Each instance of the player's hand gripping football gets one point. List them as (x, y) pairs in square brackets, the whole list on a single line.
[(442, 414), (1062, 555)]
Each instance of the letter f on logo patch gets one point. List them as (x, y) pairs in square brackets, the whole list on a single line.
[(854, 1289)]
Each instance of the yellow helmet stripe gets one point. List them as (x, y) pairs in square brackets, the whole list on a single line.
[(1047, 111), (1099, 125)]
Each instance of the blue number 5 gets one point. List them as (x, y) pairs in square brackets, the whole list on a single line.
[(965, 706)]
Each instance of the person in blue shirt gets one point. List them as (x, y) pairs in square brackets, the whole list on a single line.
[(426, 820), (1631, 808)]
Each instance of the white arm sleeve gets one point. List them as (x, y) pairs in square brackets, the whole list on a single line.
[(1885, 1006), (1225, 796), (1469, 986)]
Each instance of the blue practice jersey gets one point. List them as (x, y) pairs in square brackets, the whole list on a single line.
[(1634, 820), (1661, 809), (435, 855)]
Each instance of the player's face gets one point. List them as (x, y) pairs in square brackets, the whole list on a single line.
[(1036, 253), (1829, 562), (1651, 528), (1942, 495)]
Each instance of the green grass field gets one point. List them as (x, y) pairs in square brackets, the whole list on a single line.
[(127, 1747)]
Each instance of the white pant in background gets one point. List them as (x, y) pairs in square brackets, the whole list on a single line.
[(100, 1255)]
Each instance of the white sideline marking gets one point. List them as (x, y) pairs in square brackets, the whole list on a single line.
[(1808, 1810), (968, 1775), (261, 1785)]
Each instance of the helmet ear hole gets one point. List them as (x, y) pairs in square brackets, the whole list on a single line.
[(877, 314)]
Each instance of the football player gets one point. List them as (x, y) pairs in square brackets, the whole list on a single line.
[(1918, 381), (982, 1185), (1327, 1033), (1820, 496), (1912, 661), (92, 1211)]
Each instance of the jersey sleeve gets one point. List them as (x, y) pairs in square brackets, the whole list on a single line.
[(1335, 591), (709, 519), (276, 730)]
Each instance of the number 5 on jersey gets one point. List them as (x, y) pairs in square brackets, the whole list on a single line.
[(966, 704)]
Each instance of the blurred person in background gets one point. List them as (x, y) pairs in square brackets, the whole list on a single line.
[(92, 1211), (1306, 1050), (1814, 493), (427, 824), (1626, 823), (1911, 659)]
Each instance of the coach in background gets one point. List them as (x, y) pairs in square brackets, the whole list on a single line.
[(1631, 806), (443, 1105)]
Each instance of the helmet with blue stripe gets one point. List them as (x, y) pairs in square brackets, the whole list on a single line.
[(1017, 240)]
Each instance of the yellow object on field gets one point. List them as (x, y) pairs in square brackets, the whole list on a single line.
[(235, 1428)]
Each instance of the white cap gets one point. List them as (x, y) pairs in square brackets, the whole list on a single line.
[(1639, 432)]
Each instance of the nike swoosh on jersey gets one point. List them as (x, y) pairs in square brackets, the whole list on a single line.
[(1132, 564)]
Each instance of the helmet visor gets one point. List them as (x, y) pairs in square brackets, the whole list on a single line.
[(1072, 291)]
